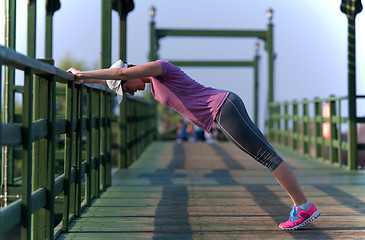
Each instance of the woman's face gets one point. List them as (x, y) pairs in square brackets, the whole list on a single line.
[(133, 85)]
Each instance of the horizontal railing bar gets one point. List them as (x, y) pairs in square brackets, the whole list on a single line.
[(83, 168), (39, 199), (19, 89), (40, 129), (94, 122), (61, 124), (316, 100), (60, 180), (19, 61), (213, 63), (210, 33), (10, 216), (93, 163), (74, 124), (361, 119), (361, 146), (58, 185), (73, 175), (11, 134)]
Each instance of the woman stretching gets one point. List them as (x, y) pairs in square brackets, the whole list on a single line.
[(202, 106)]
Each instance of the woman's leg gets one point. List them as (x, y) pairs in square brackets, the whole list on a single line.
[(285, 176), (238, 127)]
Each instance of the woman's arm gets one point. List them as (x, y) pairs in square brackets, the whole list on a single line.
[(100, 81), (150, 69)]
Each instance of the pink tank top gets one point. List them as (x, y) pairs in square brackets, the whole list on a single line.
[(176, 90)]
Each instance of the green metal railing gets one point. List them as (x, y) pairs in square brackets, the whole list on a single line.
[(298, 126), (86, 156)]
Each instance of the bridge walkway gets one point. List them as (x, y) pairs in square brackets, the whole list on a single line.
[(214, 191)]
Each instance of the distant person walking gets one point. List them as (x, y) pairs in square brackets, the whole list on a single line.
[(203, 106)]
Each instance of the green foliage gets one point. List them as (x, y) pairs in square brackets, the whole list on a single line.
[(69, 61)]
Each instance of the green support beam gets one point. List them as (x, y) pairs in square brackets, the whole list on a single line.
[(51, 7), (213, 63), (31, 28), (266, 35)]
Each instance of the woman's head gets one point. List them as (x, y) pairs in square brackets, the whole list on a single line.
[(133, 85)]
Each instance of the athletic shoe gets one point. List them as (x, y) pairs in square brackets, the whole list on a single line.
[(300, 217)]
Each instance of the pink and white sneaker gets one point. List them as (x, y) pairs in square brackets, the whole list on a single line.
[(300, 217)]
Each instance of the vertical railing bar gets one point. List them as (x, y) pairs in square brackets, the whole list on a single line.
[(102, 147), (79, 149), (52, 152), (101, 143), (95, 145), (108, 138), (68, 155), (339, 133), (27, 154), (94, 150), (89, 147), (74, 153), (122, 135), (333, 135), (98, 144), (286, 125)]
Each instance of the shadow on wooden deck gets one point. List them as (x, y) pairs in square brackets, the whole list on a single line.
[(203, 191)]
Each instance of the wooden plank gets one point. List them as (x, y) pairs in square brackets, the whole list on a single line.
[(203, 191)]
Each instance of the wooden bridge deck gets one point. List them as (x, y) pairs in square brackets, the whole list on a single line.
[(203, 191)]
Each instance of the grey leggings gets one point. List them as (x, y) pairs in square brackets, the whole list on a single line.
[(238, 127)]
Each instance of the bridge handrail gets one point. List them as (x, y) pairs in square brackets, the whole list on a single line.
[(299, 125), (36, 134)]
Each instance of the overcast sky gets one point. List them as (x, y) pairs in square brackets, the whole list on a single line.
[(310, 42)]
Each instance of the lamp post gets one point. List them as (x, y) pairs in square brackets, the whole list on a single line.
[(270, 50), (153, 37), (256, 83), (351, 8)]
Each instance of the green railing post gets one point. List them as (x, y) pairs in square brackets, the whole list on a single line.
[(68, 154), (8, 96), (295, 117), (318, 120), (333, 139), (339, 133), (27, 155), (286, 124), (98, 142), (103, 148), (108, 139), (122, 134), (95, 171), (306, 126), (89, 148), (43, 157), (79, 148)]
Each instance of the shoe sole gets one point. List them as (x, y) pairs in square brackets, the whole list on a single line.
[(310, 219)]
